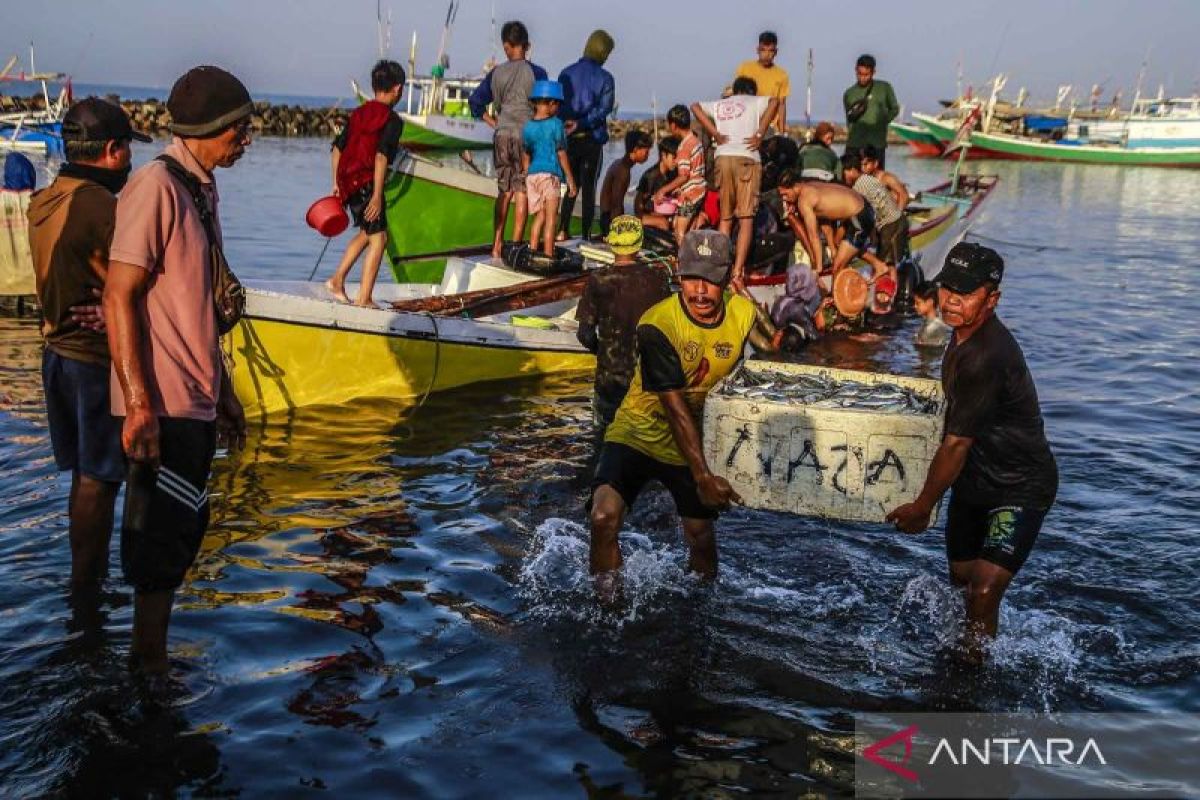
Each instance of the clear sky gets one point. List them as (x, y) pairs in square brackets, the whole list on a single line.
[(680, 52)]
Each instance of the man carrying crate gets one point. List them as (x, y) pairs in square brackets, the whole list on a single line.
[(686, 344), (994, 451)]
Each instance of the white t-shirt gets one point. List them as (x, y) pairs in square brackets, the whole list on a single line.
[(737, 117)]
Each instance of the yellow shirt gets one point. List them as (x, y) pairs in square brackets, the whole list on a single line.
[(771, 81), (676, 352)]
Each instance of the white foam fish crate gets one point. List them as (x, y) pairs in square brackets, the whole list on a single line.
[(837, 463)]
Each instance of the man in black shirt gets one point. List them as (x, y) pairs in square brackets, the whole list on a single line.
[(613, 301), (994, 451)]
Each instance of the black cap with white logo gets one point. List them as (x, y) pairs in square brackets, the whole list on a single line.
[(969, 266), (705, 254), (96, 120)]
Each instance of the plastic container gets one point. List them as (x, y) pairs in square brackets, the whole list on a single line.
[(837, 463), (327, 217)]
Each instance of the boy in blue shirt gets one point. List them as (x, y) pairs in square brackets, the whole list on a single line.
[(545, 163)]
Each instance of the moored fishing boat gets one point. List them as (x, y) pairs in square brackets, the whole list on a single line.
[(1156, 133), (442, 119), (939, 218), (921, 142), (432, 210), (297, 346), (1019, 148), (442, 132)]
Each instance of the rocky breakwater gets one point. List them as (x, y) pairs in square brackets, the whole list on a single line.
[(267, 120)]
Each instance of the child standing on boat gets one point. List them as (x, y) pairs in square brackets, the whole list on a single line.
[(360, 158), (546, 164)]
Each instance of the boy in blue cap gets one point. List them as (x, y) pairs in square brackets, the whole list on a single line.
[(545, 163)]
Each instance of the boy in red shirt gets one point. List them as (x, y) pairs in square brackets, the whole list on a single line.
[(360, 158)]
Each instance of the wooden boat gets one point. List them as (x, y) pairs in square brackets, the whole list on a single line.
[(298, 346), (1174, 148), (939, 218), (1019, 148), (442, 119), (921, 143), (434, 209)]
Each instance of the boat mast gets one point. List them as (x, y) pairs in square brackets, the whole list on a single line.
[(808, 93), (443, 60), (33, 71), (654, 114), (997, 84), (412, 69)]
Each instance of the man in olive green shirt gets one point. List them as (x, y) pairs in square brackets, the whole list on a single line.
[(870, 105)]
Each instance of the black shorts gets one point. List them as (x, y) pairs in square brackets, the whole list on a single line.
[(84, 434), (166, 510), (357, 206), (893, 241), (628, 471), (1002, 535), (861, 227)]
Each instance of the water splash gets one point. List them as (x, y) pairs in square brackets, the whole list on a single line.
[(555, 584)]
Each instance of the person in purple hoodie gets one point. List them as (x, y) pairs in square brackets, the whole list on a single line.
[(589, 93)]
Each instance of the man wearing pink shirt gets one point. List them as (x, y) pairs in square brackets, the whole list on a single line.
[(169, 383)]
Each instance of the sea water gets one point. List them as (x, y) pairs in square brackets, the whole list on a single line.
[(397, 604)]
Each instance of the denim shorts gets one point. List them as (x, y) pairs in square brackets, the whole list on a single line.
[(84, 435)]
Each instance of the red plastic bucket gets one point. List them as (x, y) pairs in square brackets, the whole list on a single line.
[(327, 217)]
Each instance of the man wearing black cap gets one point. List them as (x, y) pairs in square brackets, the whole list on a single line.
[(686, 344), (994, 451), (171, 386), (71, 227)]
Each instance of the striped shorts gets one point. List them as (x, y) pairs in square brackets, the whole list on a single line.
[(166, 509)]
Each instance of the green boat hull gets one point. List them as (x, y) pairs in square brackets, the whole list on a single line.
[(420, 136), (988, 145), (920, 141), (433, 209), (1015, 148)]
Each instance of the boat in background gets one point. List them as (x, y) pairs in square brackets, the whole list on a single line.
[(442, 120), (34, 131), (921, 142), (1160, 132)]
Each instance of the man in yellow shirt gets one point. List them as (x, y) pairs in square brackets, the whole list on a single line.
[(686, 344), (770, 78)]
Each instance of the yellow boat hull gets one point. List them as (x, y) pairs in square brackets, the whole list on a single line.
[(284, 364)]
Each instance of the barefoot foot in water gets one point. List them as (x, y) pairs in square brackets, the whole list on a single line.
[(338, 290)]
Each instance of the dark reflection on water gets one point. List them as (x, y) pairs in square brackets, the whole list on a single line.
[(397, 605)]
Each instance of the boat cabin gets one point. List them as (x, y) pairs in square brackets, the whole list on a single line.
[(430, 94)]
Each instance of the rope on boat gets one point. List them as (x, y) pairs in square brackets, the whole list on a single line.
[(328, 239), (437, 362)]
